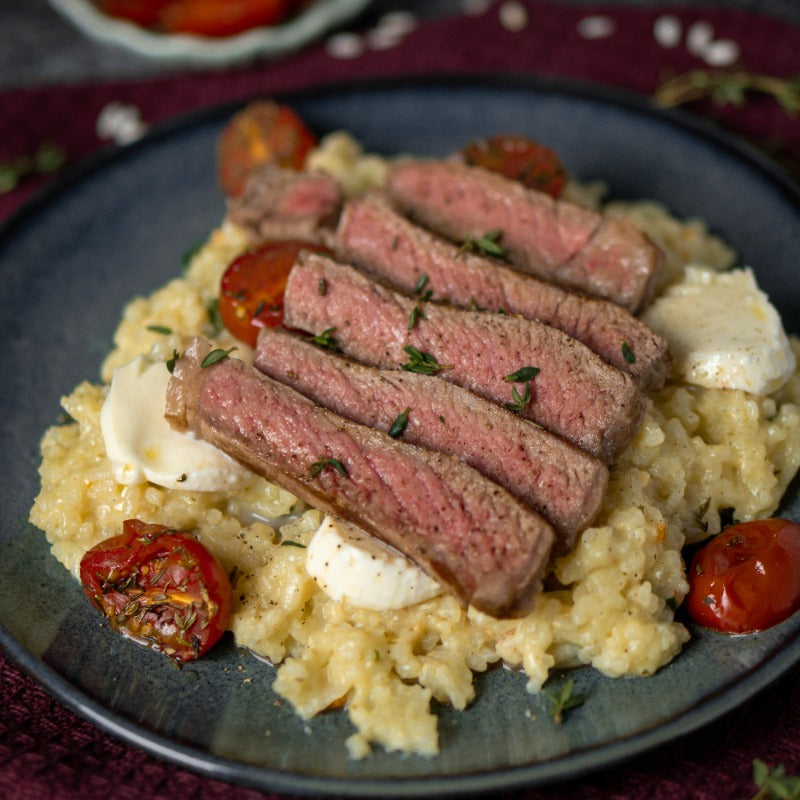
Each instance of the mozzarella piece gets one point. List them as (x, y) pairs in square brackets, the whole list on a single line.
[(348, 564), (723, 332), (143, 446)]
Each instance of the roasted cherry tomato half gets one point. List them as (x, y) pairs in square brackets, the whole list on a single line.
[(525, 160), (159, 587), (262, 132), (222, 17), (214, 18), (747, 578), (141, 12), (251, 290)]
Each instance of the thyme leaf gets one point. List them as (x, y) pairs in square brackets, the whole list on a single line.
[(325, 339), (423, 363), (160, 329), (627, 353), (292, 543), (399, 424), (420, 290), (523, 375), (486, 245), (171, 361), (563, 700), (334, 463), (214, 317), (415, 315), (216, 355)]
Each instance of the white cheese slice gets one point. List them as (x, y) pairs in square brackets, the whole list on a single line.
[(348, 564), (723, 332), (142, 446)]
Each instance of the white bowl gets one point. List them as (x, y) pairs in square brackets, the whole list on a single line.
[(182, 48)]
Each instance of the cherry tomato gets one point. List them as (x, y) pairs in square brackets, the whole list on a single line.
[(747, 578), (262, 132), (159, 587), (522, 159), (141, 12), (222, 17), (251, 289)]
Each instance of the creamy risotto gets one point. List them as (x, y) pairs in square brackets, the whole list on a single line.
[(609, 603)]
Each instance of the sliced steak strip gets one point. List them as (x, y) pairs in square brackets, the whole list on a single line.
[(555, 240), (466, 530), (560, 481), (375, 237), (280, 204), (575, 394)]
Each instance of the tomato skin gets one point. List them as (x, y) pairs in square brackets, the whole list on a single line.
[(262, 132), (160, 587), (141, 12), (222, 17), (214, 18), (747, 578), (251, 289), (520, 158)]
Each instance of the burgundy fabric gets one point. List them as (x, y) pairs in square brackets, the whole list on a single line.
[(46, 751)]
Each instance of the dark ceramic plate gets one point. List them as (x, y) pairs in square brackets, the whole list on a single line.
[(70, 262)]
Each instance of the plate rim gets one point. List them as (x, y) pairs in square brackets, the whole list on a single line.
[(536, 774)]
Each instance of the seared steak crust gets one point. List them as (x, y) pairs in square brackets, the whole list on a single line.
[(555, 240), (560, 481), (280, 204), (375, 237), (575, 394), (466, 530)]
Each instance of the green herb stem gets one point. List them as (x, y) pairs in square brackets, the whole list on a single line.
[(729, 87)]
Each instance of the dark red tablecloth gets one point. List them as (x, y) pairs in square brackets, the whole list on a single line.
[(48, 752)]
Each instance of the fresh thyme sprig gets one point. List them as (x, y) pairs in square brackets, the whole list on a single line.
[(420, 290), (729, 87), (325, 339), (423, 363), (519, 402), (774, 784), (564, 700), (48, 158), (333, 463), (487, 245)]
